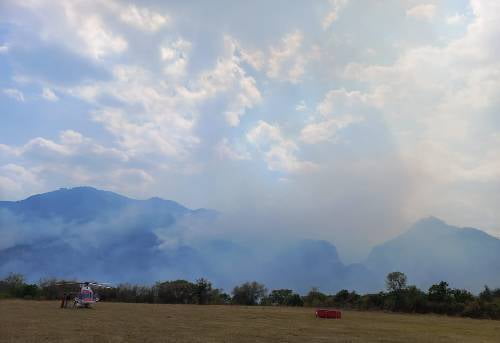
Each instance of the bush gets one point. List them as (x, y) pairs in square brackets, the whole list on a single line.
[(283, 297), (317, 299), (249, 293), (294, 300), (440, 298), (372, 301), (472, 310), (177, 292)]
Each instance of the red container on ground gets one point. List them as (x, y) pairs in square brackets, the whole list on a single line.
[(332, 314)]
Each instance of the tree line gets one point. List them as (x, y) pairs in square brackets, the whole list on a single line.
[(398, 297)]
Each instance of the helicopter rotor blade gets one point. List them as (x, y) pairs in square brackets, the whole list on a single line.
[(80, 283), (101, 284)]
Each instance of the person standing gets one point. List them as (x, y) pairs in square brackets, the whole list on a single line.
[(64, 300)]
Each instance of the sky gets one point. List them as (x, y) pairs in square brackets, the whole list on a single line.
[(344, 120)]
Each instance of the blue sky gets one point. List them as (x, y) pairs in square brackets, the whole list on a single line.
[(340, 119)]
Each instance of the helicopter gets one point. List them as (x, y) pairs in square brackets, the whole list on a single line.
[(85, 297)]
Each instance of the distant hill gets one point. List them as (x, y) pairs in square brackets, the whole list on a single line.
[(431, 251), (84, 232), (311, 263), (84, 204), (88, 233)]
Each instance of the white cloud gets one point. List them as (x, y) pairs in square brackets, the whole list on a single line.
[(73, 159), (15, 94), (133, 176), (71, 145), (286, 62), (227, 77), (143, 18), (339, 100), (301, 106), (71, 137), (4, 49), (49, 95), (16, 181), (93, 28), (279, 152), (165, 125), (455, 19), (44, 148), (99, 40), (423, 11), (326, 130), (338, 110), (6, 150), (247, 97), (81, 26), (264, 134), (15, 171), (161, 134), (335, 7), (175, 57), (371, 52), (255, 58), (226, 150)]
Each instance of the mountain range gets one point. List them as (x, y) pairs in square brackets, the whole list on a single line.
[(432, 250), (87, 233)]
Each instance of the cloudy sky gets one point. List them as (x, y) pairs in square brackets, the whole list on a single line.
[(340, 119)]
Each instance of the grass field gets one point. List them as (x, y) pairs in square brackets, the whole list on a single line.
[(44, 321)]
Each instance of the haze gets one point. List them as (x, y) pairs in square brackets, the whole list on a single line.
[(342, 120)]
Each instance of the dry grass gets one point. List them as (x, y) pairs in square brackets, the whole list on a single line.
[(33, 321)]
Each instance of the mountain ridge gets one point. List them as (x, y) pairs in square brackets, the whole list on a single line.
[(67, 230), (92, 232), (432, 250)]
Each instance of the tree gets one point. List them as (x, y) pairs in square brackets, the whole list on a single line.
[(462, 296), (218, 297), (203, 290), (176, 292), (341, 297), (14, 280), (495, 293), (12, 285), (284, 297), (280, 296), (412, 299), (249, 293), (49, 289), (440, 292), (295, 300), (396, 282), (371, 301), (316, 298), (486, 295)]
